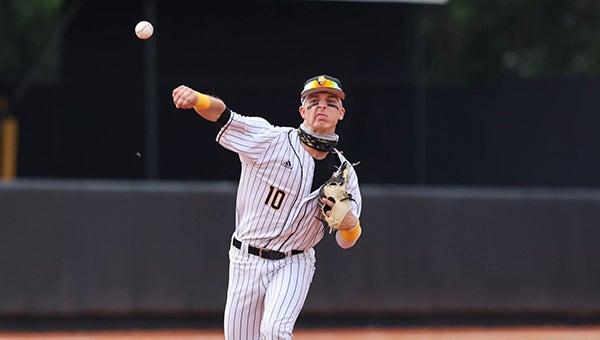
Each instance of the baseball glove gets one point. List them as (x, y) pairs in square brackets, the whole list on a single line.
[(336, 191)]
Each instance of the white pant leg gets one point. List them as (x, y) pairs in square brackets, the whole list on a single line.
[(245, 296), (286, 293)]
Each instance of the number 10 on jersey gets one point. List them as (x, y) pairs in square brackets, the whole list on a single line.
[(275, 198)]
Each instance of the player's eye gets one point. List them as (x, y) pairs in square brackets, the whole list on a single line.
[(333, 104), (311, 104)]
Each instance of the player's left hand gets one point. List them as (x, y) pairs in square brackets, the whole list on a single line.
[(348, 222), (334, 200)]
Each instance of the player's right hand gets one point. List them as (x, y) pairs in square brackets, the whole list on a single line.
[(184, 97)]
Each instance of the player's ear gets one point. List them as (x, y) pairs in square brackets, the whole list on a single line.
[(301, 110), (342, 113)]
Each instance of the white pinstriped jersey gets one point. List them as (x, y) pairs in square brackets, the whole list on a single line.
[(275, 208)]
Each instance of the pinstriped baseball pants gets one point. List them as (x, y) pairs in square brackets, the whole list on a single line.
[(265, 297)]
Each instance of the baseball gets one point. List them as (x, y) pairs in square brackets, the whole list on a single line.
[(144, 30)]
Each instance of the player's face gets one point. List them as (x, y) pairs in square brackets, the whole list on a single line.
[(321, 112)]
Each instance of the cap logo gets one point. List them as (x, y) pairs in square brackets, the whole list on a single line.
[(322, 83)]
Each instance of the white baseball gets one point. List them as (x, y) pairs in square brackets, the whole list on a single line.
[(144, 29)]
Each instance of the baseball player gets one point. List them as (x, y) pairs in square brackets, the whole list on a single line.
[(282, 209)]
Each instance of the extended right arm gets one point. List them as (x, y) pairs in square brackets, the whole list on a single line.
[(210, 108)]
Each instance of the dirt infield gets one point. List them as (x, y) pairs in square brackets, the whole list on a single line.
[(463, 333)]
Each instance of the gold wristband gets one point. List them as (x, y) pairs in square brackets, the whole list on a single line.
[(352, 234), (203, 101)]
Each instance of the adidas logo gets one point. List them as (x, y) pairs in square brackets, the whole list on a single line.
[(287, 164)]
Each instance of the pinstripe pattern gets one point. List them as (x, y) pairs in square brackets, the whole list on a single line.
[(275, 209), (265, 297)]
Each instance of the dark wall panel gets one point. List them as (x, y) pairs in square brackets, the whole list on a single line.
[(116, 248), (128, 248), (458, 251)]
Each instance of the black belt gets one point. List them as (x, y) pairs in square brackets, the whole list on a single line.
[(264, 253)]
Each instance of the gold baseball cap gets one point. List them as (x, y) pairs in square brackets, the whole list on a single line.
[(323, 83)]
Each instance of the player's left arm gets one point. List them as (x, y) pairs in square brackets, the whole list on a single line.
[(349, 222)]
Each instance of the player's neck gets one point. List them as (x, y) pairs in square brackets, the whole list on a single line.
[(319, 142), (316, 154)]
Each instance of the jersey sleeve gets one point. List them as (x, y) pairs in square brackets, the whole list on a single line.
[(247, 136), (354, 189)]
